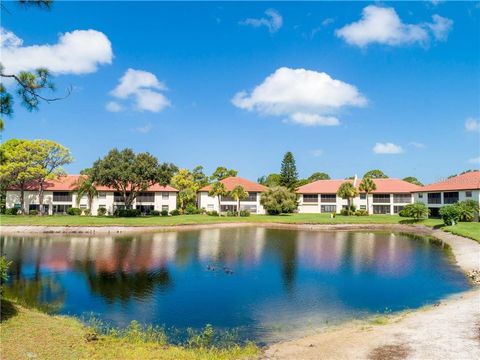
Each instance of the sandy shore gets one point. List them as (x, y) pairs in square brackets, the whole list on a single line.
[(448, 330)]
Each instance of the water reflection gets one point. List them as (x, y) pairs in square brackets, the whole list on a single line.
[(253, 278)]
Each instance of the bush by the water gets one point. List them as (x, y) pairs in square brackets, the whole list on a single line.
[(154, 213), (416, 211), (101, 211), (164, 213), (12, 211), (450, 214), (192, 210), (74, 211), (279, 200), (4, 264), (461, 211), (212, 213), (244, 213), (232, 213), (361, 212), (348, 211), (126, 212), (87, 212), (175, 212)]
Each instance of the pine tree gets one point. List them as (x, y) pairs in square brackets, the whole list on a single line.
[(288, 172)]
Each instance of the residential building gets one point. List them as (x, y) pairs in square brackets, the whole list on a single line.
[(457, 188), (59, 195), (252, 203), (390, 196)]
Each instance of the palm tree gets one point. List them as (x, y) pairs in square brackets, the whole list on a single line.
[(367, 186), (347, 191), (218, 189), (86, 186), (238, 193)]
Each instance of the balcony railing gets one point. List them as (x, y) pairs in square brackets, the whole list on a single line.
[(381, 199), (150, 198), (402, 198), (64, 198), (434, 198)]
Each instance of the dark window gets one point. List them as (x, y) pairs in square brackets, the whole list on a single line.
[(117, 197), (397, 209), (61, 209), (224, 208), (35, 207), (402, 198), (468, 194), (381, 209), (381, 198), (450, 197), (363, 196), (252, 196), (328, 208), (420, 196), (145, 209), (310, 198), (227, 198), (434, 198), (146, 197), (62, 196), (328, 198), (250, 208)]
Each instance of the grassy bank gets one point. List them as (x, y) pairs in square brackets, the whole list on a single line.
[(30, 334)]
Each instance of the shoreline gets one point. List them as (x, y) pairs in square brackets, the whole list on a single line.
[(423, 333)]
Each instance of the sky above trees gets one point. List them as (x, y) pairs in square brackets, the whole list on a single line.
[(345, 86)]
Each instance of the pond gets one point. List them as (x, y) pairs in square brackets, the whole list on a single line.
[(268, 284)]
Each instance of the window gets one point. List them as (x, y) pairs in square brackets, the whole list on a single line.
[(146, 197), (450, 197), (363, 207), (397, 209), (328, 208), (102, 195), (328, 198), (363, 196), (381, 209), (60, 209), (62, 196), (226, 198), (252, 196), (17, 206), (434, 198), (165, 195), (420, 196), (224, 208), (310, 198), (164, 207), (83, 206), (250, 208), (402, 198), (35, 207), (381, 198), (145, 209), (468, 194), (117, 197), (102, 206), (210, 207)]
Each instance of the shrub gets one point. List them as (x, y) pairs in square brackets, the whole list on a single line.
[(12, 211), (87, 212), (278, 199), (33, 212), (468, 210), (101, 211), (164, 212), (192, 210), (155, 213), (451, 214), (348, 211), (232, 213), (74, 211), (416, 211), (175, 212), (244, 213), (127, 213), (212, 213), (4, 265), (361, 212)]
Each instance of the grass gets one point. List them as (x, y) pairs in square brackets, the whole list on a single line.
[(470, 230), (30, 334)]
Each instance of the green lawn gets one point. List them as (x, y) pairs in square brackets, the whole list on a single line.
[(470, 230)]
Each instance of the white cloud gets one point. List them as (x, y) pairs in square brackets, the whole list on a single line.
[(144, 129), (273, 22), (382, 25), (387, 148), (472, 124), (327, 21), (317, 152), (306, 97), (474, 160), (113, 106), (76, 52), (418, 145), (144, 88)]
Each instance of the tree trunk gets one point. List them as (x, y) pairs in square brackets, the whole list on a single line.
[(349, 206), (22, 200), (238, 208), (368, 206), (219, 206), (40, 199)]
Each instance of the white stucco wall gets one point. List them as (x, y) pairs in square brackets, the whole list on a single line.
[(210, 203), (422, 197)]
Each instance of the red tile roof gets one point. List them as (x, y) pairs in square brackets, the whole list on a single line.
[(69, 183), (467, 181), (384, 186), (233, 181)]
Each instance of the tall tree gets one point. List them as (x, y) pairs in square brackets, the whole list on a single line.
[(130, 173), (318, 176), (52, 157), (279, 200), (86, 187), (375, 174), (19, 166), (288, 172), (270, 180), (199, 176), (222, 172), (367, 186), (184, 182), (238, 193), (218, 189), (347, 191), (413, 180)]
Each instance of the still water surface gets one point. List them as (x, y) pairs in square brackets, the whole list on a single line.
[(268, 284)]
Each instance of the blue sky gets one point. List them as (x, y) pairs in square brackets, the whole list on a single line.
[(409, 90)]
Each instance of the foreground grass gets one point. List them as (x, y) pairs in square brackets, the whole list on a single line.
[(470, 230), (30, 334)]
